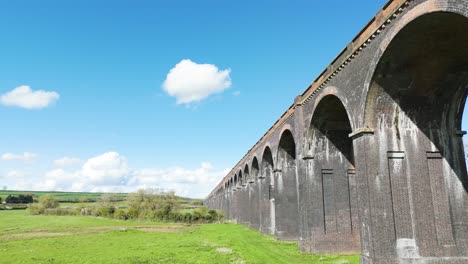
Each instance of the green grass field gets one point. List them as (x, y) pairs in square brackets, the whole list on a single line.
[(62, 196), (74, 197), (76, 239)]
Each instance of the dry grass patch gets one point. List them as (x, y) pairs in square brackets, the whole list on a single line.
[(43, 233)]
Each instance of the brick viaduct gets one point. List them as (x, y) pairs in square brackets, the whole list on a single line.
[(370, 157)]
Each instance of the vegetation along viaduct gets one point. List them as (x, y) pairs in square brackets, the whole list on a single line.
[(370, 157)]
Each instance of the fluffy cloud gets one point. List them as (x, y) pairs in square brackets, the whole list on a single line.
[(108, 168), (67, 161), (15, 174), (110, 172), (25, 157), (192, 82), (186, 182), (24, 97)]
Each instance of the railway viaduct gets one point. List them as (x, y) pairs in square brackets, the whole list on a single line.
[(370, 157)]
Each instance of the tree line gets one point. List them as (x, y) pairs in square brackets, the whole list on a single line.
[(19, 199), (143, 205)]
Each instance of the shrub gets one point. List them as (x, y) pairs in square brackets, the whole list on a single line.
[(120, 214), (44, 203), (132, 213), (196, 216), (145, 205), (188, 218), (36, 209), (61, 211), (48, 201), (105, 211), (220, 215), (211, 216)]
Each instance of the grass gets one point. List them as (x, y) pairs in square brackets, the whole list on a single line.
[(75, 239), (75, 197)]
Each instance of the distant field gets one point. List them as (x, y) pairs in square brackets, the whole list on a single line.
[(65, 198), (62, 196), (76, 239)]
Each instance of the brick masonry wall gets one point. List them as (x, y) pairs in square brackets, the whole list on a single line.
[(375, 164)]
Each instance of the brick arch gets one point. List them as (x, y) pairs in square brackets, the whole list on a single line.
[(426, 8)]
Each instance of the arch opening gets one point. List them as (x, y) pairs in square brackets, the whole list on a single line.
[(333, 198), (267, 206), (240, 180), (244, 198), (255, 170), (246, 175), (254, 195), (331, 127), (286, 189)]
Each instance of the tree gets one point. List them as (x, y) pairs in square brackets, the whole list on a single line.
[(48, 201), (10, 199), (21, 198)]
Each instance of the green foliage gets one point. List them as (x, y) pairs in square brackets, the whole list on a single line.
[(13, 206), (19, 199), (120, 214), (45, 205), (151, 205), (144, 205), (74, 197), (36, 209), (105, 211), (196, 202), (61, 211), (48, 201)]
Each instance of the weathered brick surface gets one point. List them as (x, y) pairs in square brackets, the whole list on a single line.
[(375, 163)]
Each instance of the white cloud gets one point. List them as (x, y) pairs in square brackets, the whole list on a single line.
[(15, 174), (196, 182), (25, 157), (191, 82), (107, 172), (110, 172), (67, 161), (24, 97), (108, 168)]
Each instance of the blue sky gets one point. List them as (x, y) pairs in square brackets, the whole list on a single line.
[(111, 115)]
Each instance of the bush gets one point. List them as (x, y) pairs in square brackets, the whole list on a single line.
[(188, 218), (132, 213), (145, 205), (120, 214), (105, 211), (36, 209), (44, 203), (61, 211), (48, 201)]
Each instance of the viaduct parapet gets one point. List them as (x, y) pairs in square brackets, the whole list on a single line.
[(370, 157)]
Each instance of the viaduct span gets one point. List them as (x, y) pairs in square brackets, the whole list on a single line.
[(370, 157)]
